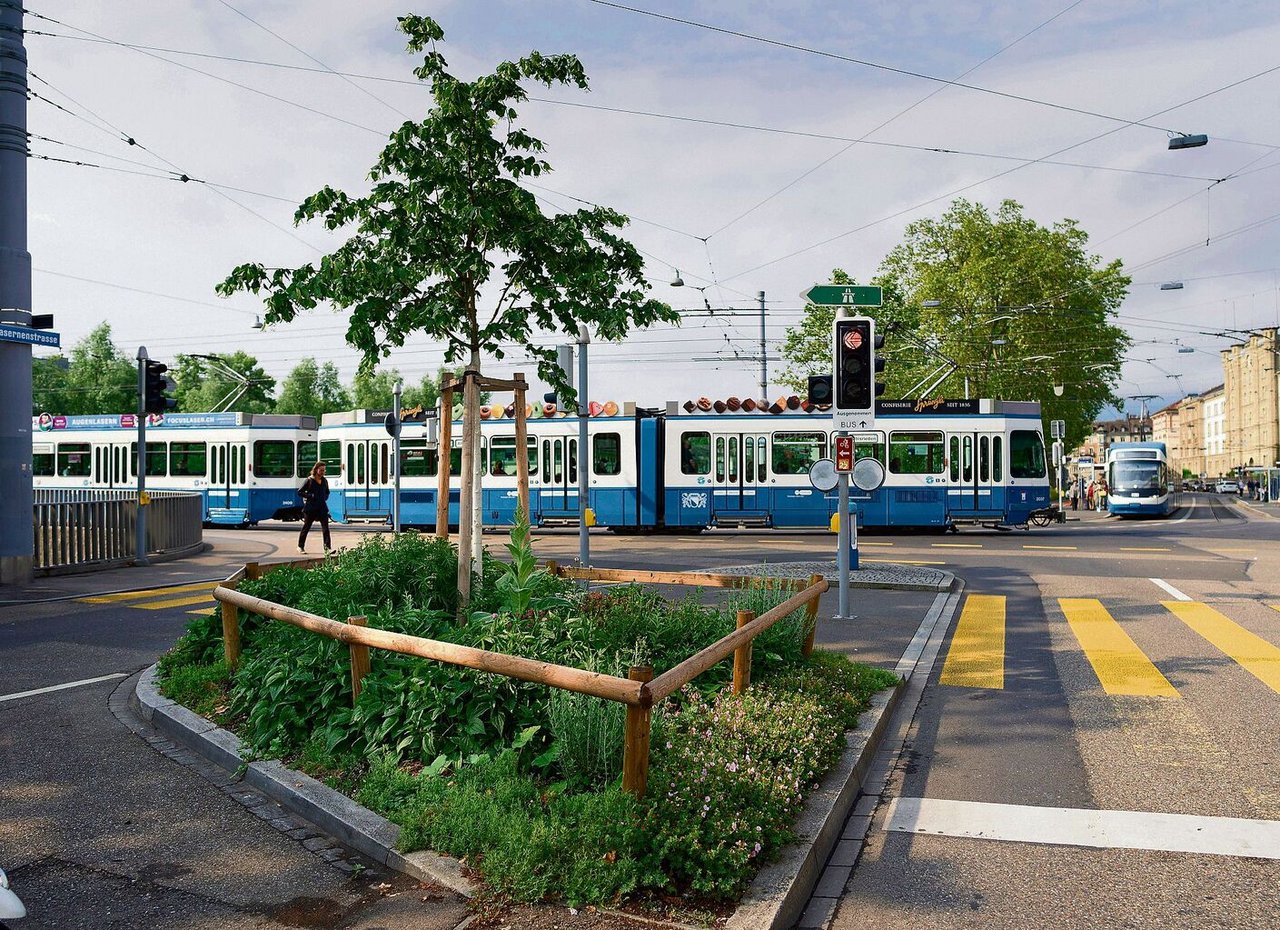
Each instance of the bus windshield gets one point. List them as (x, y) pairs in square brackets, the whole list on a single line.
[(1136, 476)]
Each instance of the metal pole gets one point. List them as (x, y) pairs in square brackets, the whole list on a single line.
[(16, 495), (140, 525), (584, 538), (842, 542), (395, 459), (764, 354)]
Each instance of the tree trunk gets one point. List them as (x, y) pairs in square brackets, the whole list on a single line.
[(466, 499)]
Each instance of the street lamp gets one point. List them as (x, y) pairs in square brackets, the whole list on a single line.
[(1187, 141), (1171, 286)]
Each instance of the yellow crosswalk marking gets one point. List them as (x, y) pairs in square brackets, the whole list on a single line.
[(1145, 549), (976, 658), (956, 545), (1257, 656), (149, 592), (206, 598), (1120, 665), (1051, 547), (902, 561)]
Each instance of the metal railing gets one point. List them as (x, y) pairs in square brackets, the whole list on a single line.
[(86, 529)]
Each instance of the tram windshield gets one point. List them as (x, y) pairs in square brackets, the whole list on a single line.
[(1136, 476)]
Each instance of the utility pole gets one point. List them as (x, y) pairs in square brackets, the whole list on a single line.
[(584, 458), (16, 495), (140, 524), (395, 457), (764, 354)]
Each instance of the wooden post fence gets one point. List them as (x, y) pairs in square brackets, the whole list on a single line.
[(811, 620), (359, 660), (742, 656), (635, 745)]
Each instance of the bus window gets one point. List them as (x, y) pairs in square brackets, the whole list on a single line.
[(794, 453), (42, 461), (916, 453), (606, 453), (695, 453), (273, 458), (1026, 454), (188, 459)]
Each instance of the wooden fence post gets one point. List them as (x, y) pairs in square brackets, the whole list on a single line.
[(359, 660), (252, 570), (635, 747), (231, 634), (553, 567), (742, 656), (811, 619)]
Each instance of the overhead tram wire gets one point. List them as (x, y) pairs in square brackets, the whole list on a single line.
[(906, 72), (309, 56), (901, 113), (129, 139), (993, 177)]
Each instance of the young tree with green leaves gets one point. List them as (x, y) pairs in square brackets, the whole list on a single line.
[(230, 381), (97, 378), (374, 390), (311, 389), (1017, 308), (449, 244)]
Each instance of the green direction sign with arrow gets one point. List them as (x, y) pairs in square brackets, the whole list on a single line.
[(844, 295)]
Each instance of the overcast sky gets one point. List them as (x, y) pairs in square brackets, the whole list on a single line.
[(690, 187)]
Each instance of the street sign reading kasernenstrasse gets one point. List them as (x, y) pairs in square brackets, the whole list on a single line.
[(844, 295), (11, 332)]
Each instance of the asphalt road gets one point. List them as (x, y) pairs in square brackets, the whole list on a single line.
[(100, 830), (1016, 769)]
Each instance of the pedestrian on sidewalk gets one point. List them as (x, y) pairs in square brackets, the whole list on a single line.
[(1100, 495), (1088, 495), (1075, 496), (315, 506)]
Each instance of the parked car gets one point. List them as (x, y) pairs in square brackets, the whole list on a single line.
[(1227, 487)]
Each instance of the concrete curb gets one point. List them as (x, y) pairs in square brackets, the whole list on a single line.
[(331, 811), (780, 891)]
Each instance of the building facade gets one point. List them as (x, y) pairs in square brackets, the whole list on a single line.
[(1165, 424), (1190, 458), (1213, 419), (1251, 392)]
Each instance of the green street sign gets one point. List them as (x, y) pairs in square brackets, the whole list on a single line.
[(844, 295)]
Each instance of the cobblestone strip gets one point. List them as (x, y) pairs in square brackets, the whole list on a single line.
[(886, 576), (257, 803)]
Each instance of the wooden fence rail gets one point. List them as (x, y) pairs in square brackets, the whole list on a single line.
[(639, 691)]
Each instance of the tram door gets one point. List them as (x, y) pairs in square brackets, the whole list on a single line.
[(558, 478), (977, 472), (228, 473), (111, 466), (740, 475), (366, 478)]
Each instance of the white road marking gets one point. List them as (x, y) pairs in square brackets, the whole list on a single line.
[(70, 684), (1178, 595), (1064, 826)]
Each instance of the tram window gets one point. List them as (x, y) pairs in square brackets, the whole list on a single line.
[(695, 453), (573, 460), (273, 458), (307, 452), (868, 447), (606, 453), (719, 458), (42, 462), (794, 453), (955, 458), (188, 459), (120, 465), (384, 457), (351, 461), (331, 455), (916, 453), (413, 458), (984, 458), (1026, 454), (748, 461), (997, 458), (762, 460), (966, 458), (157, 459)]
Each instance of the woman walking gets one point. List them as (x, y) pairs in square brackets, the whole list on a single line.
[(315, 496)]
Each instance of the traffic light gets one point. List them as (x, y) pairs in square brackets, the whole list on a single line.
[(856, 364), (820, 390), (156, 384)]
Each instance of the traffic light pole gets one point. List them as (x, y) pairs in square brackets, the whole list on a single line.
[(395, 456), (140, 524)]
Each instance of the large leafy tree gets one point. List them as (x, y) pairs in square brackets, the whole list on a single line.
[(448, 243), (374, 390), (230, 381), (1016, 310), (97, 378), (312, 389)]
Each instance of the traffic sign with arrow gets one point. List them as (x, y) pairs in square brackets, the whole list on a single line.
[(844, 295)]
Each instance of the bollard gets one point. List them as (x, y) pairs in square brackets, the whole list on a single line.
[(359, 660), (635, 746)]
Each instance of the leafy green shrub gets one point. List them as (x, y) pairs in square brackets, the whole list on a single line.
[(194, 685), (840, 684), (587, 736), (529, 844)]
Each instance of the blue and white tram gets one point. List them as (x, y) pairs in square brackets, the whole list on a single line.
[(947, 462), (247, 466), (1138, 480)]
